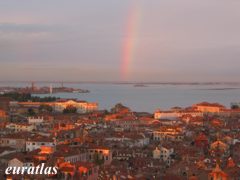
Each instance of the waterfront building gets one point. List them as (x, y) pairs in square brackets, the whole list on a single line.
[(206, 107), (58, 106)]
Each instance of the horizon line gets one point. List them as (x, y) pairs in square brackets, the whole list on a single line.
[(121, 82)]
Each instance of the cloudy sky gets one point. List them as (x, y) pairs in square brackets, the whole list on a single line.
[(77, 40)]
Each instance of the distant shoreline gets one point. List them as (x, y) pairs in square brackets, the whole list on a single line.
[(219, 89), (130, 82)]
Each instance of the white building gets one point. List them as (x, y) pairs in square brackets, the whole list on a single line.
[(163, 154), (35, 120), (173, 115), (20, 162), (39, 141), (133, 140), (16, 141), (76, 157), (19, 127), (174, 134), (82, 106)]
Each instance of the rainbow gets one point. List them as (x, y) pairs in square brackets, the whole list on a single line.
[(129, 42)]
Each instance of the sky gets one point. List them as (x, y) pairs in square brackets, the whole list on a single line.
[(127, 40)]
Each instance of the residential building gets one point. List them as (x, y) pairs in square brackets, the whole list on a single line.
[(206, 107), (19, 127), (37, 141)]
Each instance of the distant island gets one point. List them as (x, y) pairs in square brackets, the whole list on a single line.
[(42, 90), (220, 89), (140, 85)]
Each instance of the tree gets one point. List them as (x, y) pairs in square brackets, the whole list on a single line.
[(45, 108), (234, 106), (70, 109), (31, 112), (24, 97), (97, 159), (120, 108)]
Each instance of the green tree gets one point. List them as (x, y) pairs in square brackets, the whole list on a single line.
[(31, 112), (45, 108), (23, 97), (234, 106), (70, 109), (97, 159)]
